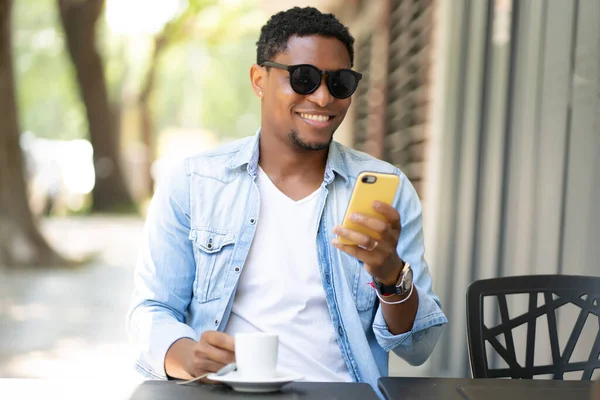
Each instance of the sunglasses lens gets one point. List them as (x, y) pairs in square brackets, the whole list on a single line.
[(305, 79), (342, 83)]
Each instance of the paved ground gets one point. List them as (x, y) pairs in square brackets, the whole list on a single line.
[(71, 323)]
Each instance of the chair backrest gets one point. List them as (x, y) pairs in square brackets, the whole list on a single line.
[(544, 295)]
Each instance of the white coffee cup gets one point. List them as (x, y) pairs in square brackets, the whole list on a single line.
[(256, 355)]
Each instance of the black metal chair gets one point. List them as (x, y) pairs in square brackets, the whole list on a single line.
[(557, 291)]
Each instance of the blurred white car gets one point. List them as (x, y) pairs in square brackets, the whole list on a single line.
[(60, 173)]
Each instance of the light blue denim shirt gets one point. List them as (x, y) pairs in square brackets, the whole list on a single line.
[(197, 235)]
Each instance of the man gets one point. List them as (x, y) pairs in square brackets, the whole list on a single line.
[(244, 238)]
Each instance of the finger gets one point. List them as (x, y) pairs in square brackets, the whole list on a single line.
[(389, 212), (211, 366), (383, 229), (374, 224), (219, 339), (206, 367), (384, 244), (219, 355), (366, 256), (358, 238), (354, 251), (391, 235)]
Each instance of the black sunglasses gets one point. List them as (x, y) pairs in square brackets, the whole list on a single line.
[(306, 78)]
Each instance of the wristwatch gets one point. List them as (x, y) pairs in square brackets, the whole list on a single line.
[(402, 287)]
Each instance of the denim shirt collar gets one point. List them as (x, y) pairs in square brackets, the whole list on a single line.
[(249, 153)]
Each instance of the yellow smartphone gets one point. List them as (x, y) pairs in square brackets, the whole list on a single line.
[(369, 187)]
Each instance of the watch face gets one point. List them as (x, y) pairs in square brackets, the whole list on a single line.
[(407, 278), (403, 286)]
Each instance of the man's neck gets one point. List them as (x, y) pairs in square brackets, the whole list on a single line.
[(296, 172), (282, 160)]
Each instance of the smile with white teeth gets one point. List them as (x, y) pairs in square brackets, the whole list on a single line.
[(315, 117)]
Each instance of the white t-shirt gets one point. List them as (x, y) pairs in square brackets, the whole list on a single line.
[(280, 289)]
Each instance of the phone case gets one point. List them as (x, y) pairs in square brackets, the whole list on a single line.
[(364, 194)]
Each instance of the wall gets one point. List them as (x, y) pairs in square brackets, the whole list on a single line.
[(517, 179)]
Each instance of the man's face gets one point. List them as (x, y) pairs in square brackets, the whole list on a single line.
[(306, 121)]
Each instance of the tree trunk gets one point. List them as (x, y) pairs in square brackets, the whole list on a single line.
[(145, 97), (21, 243), (79, 19)]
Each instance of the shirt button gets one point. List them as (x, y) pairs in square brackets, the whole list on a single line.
[(327, 279), (216, 322), (237, 269), (252, 221), (340, 331)]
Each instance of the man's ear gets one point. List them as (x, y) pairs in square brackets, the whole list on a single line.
[(258, 78)]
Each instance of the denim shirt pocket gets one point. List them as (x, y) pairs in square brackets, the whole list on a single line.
[(364, 294), (213, 249)]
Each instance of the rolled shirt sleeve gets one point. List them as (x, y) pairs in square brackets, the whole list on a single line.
[(416, 345), (164, 276)]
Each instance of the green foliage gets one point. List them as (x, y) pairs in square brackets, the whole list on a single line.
[(230, 107), (203, 79), (178, 29), (208, 88), (47, 93), (203, 75)]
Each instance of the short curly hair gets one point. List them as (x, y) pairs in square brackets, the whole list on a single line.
[(300, 22)]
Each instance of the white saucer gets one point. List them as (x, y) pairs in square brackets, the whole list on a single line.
[(235, 380)]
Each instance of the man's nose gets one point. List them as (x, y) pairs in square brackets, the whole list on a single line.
[(321, 97)]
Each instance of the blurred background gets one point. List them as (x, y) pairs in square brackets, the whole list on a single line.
[(490, 107)]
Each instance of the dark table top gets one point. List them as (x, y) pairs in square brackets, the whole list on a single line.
[(162, 390), (396, 388)]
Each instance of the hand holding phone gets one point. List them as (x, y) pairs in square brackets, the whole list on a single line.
[(373, 233), (369, 187)]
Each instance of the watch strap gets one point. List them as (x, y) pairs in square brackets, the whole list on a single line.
[(382, 298), (390, 290)]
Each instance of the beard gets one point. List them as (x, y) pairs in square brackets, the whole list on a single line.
[(301, 144)]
